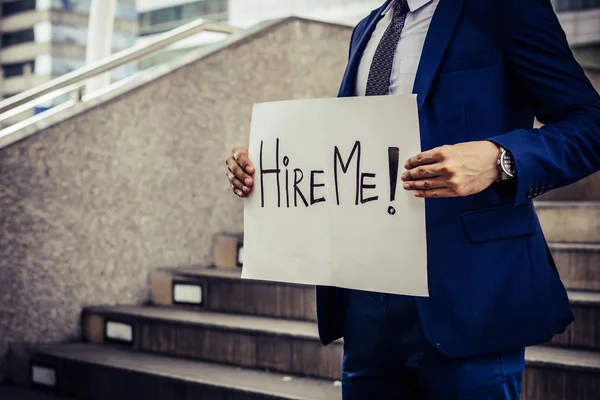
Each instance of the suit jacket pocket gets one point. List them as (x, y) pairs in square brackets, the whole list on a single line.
[(500, 223)]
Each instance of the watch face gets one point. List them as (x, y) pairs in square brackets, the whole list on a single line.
[(508, 165)]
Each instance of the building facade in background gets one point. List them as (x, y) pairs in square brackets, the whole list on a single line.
[(43, 39), (157, 16), (579, 18), (246, 13)]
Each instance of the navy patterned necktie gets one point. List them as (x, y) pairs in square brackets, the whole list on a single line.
[(380, 73)]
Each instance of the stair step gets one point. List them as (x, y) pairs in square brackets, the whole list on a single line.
[(570, 221), (550, 357), (587, 189), (102, 372), (224, 291), (256, 342), (18, 393), (108, 372), (280, 345), (584, 332), (227, 286), (578, 264), (559, 374)]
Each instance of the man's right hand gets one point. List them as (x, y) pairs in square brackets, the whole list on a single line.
[(239, 171)]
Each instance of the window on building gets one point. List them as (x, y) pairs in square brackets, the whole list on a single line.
[(17, 69), (207, 8), (574, 5), (124, 9), (78, 35), (165, 15), (17, 37), (168, 18), (14, 7)]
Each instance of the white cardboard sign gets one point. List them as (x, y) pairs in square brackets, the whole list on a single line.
[(328, 207)]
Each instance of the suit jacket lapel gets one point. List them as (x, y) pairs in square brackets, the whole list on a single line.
[(438, 37), (349, 80)]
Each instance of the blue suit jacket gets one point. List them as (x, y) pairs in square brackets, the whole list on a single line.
[(487, 68)]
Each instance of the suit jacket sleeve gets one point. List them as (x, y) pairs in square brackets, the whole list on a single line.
[(567, 148)]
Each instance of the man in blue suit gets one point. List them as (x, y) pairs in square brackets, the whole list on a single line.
[(482, 70)]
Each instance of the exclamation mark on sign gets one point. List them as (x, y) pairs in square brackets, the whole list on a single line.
[(393, 156)]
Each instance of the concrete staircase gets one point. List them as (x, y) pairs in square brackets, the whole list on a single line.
[(207, 334), (568, 367), (232, 340)]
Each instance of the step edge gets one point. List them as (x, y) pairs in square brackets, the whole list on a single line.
[(584, 297), (575, 246), (202, 381), (572, 204), (94, 310), (540, 358), (224, 275)]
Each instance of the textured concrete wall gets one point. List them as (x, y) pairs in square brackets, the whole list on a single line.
[(91, 205)]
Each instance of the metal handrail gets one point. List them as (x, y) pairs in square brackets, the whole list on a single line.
[(77, 78)]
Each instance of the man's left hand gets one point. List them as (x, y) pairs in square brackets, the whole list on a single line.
[(452, 171)]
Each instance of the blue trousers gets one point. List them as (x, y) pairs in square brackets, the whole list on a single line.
[(386, 356)]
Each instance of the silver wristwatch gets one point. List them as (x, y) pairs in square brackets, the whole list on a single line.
[(506, 165)]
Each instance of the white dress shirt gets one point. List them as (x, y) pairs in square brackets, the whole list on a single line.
[(408, 52)]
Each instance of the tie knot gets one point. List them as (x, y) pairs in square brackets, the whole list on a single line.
[(401, 7)]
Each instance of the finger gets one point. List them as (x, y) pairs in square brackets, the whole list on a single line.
[(428, 157), (435, 193), (426, 184), (237, 183), (237, 192), (234, 167), (428, 171), (240, 155)]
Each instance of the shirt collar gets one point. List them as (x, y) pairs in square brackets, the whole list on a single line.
[(413, 5)]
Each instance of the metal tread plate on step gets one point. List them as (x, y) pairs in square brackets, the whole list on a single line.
[(544, 356), (247, 323), (18, 393), (249, 381)]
